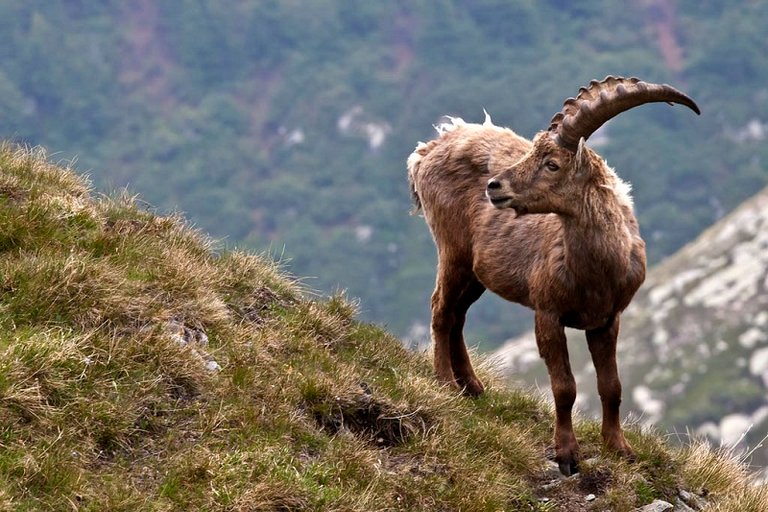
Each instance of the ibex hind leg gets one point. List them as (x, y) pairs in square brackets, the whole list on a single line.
[(462, 367), (456, 290)]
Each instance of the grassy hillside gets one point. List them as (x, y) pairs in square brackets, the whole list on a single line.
[(144, 368)]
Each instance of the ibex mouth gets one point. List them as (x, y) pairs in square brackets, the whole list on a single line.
[(498, 198), (500, 202), (504, 203)]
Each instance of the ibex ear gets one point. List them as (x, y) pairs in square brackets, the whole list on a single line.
[(581, 158)]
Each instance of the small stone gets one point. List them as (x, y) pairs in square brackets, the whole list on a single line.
[(693, 500), (681, 506), (202, 338), (552, 471), (590, 497), (178, 338), (552, 485), (212, 366), (656, 506)]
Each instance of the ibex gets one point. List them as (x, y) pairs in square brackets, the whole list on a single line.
[(546, 224)]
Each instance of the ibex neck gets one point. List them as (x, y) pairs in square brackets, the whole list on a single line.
[(597, 240)]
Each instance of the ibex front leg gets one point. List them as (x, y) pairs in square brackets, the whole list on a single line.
[(602, 346), (550, 337)]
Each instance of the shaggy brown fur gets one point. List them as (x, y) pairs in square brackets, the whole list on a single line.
[(561, 239), (546, 224)]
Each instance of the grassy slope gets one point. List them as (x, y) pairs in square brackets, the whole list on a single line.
[(103, 407)]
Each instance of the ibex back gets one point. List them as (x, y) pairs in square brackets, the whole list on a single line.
[(544, 223)]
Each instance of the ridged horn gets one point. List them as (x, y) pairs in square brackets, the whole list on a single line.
[(601, 101)]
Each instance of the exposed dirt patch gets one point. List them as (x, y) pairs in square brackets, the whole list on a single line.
[(663, 22), (369, 417)]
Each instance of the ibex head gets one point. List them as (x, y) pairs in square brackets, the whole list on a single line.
[(559, 164)]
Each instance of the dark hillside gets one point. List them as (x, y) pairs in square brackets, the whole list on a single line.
[(283, 126)]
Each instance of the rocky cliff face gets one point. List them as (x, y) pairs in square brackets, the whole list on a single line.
[(693, 349)]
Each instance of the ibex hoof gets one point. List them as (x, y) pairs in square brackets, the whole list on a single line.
[(619, 445), (471, 387), (568, 468)]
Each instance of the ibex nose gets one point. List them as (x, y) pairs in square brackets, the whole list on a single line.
[(494, 184)]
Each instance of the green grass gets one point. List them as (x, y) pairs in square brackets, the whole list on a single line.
[(102, 407)]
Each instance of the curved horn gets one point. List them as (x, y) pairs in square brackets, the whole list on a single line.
[(601, 101)]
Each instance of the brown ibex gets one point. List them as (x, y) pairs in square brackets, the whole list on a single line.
[(546, 224)]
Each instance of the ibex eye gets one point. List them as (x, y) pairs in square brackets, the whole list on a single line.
[(552, 166)]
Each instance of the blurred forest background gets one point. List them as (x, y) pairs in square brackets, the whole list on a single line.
[(284, 125)]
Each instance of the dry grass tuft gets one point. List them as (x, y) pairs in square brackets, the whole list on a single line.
[(269, 497), (722, 474)]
